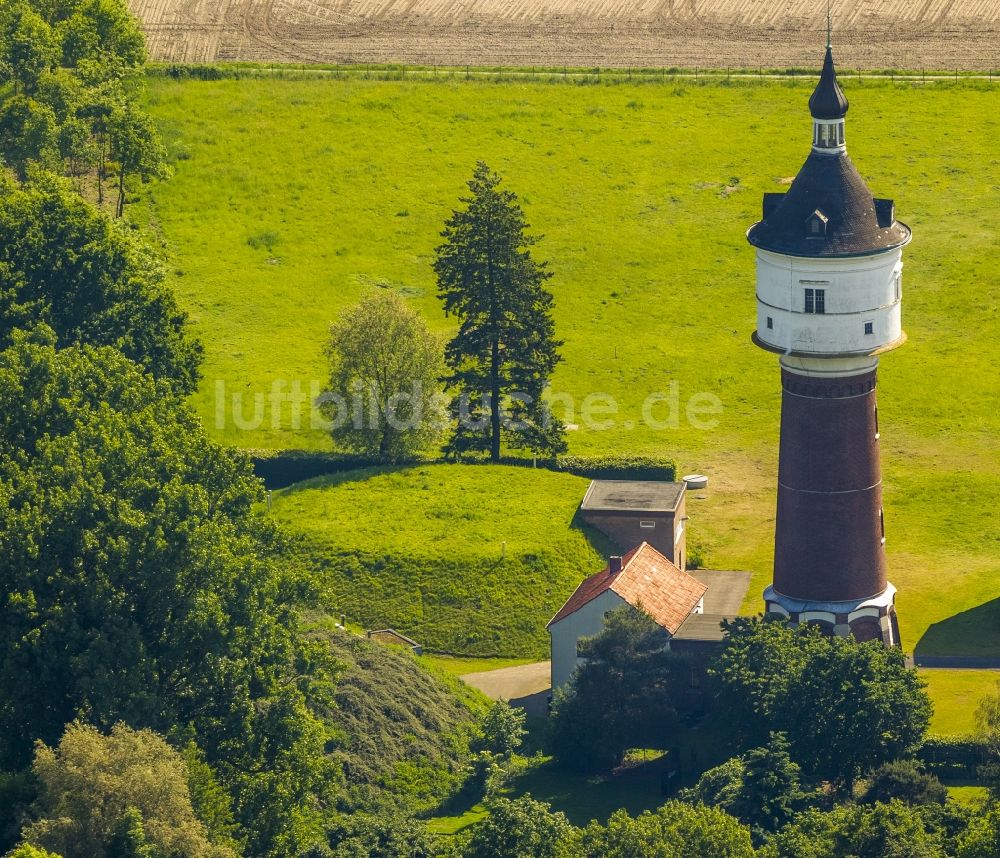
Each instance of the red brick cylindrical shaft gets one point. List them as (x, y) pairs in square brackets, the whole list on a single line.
[(829, 532)]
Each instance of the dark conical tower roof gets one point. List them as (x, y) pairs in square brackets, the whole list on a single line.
[(829, 189), (828, 100)]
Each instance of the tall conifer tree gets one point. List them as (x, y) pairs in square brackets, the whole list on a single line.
[(505, 349)]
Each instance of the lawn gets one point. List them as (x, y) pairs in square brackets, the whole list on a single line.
[(291, 197), (956, 695)]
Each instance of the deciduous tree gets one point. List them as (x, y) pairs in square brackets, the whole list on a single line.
[(136, 148), (675, 830), (123, 794), (140, 587), (988, 723), (28, 47), (66, 265), (846, 707), (385, 369), (505, 350), (516, 828), (873, 831)]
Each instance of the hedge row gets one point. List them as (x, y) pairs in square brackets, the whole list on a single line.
[(605, 467), (281, 468), (953, 756)]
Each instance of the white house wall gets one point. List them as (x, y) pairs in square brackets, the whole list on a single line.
[(586, 622)]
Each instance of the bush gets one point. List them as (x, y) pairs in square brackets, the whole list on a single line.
[(904, 780), (617, 467), (952, 756)]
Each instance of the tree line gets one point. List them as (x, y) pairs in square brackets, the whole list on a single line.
[(70, 82)]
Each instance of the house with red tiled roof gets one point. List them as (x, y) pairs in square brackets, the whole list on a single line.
[(644, 579)]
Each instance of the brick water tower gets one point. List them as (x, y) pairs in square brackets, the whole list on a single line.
[(829, 269)]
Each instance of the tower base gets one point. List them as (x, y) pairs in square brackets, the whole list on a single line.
[(869, 619)]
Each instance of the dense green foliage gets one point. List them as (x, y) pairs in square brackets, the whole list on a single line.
[(401, 734), (139, 586), (956, 757), (66, 265), (68, 93), (845, 707), (383, 398), (762, 788), (503, 355), (861, 831), (625, 695), (675, 830), (517, 828), (465, 559), (982, 840), (905, 781), (125, 794), (25, 850), (988, 722)]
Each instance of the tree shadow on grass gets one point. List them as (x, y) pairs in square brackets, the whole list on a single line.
[(602, 544), (971, 634), (339, 478)]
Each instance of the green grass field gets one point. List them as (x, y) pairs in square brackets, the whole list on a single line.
[(956, 695), (291, 197), (466, 559)]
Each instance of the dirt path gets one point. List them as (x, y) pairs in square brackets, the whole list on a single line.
[(526, 686), (915, 34)]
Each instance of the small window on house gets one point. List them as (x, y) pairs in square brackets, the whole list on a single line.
[(820, 300), (647, 524), (770, 323), (810, 300), (869, 327)]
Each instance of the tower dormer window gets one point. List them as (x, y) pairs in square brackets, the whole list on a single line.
[(816, 225)]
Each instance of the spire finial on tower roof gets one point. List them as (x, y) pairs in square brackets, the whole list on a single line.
[(828, 101)]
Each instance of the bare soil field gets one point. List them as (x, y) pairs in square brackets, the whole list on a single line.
[(870, 34)]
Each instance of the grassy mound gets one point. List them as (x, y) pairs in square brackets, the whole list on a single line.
[(404, 729), (466, 559)]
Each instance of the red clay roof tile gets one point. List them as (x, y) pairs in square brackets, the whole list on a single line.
[(648, 580)]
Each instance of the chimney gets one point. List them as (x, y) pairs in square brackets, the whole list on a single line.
[(615, 564)]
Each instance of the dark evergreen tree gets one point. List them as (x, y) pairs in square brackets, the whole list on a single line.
[(505, 350), (624, 696), (770, 794)]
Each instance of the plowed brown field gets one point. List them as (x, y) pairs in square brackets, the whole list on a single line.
[(913, 34)]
